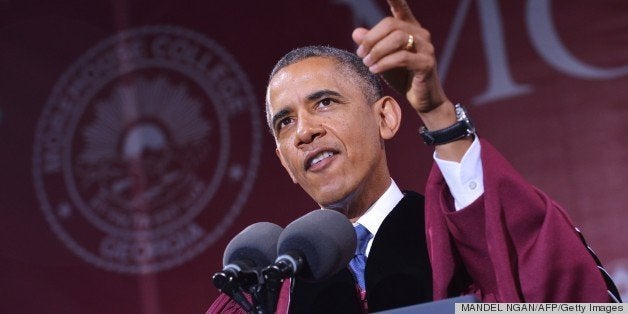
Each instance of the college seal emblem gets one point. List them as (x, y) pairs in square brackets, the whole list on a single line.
[(147, 149)]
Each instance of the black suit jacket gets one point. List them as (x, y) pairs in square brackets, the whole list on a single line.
[(398, 271)]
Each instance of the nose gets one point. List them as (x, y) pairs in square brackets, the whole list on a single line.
[(308, 129)]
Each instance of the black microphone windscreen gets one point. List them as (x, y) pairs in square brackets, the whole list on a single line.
[(257, 243), (325, 238)]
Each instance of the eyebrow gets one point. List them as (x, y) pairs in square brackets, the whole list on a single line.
[(311, 97), (321, 94)]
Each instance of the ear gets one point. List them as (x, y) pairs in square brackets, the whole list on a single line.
[(285, 165), (389, 114)]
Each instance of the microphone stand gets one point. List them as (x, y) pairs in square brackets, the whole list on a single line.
[(258, 292), (227, 284), (234, 284), (286, 266)]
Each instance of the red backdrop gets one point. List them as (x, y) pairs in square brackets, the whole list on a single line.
[(134, 143)]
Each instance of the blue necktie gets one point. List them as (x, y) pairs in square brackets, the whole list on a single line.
[(358, 263)]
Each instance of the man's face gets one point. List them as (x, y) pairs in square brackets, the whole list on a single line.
[(327, 135)]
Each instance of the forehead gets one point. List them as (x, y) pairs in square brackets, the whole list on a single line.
[(296, 81)]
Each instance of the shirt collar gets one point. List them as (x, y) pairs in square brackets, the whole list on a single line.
[(375, 215)]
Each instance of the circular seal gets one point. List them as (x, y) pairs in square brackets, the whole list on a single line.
[(147, 149)]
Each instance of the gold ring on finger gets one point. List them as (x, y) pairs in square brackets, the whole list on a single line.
[(410, 43)]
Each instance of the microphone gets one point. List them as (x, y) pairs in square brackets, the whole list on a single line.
[(314, 247), (249, 251)]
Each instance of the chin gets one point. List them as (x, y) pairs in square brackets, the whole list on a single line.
[(333, 200)]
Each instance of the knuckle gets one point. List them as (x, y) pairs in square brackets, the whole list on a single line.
[(429, 64), (427, 35), (429, 49), (377, 53), (401, 35), (367, 43), (388, 21), (374, 53)]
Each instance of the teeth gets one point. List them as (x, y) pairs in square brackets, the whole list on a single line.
[(320, 157)]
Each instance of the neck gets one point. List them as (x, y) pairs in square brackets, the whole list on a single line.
[(357, 203), (368, 191)]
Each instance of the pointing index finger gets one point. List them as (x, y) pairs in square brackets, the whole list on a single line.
[(401, 10)]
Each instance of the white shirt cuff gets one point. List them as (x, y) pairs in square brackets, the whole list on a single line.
[(465, 179)]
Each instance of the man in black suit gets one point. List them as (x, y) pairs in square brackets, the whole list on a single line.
[(330, 120), (330, 138)]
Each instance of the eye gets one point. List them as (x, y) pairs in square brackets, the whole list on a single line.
[(283, 122), (325, 102)]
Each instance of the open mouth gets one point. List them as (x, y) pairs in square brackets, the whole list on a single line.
[(318, 158)]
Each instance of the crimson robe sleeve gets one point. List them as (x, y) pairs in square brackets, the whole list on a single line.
[(513, 244)]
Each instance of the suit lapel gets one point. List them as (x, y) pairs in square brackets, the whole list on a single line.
[(398, 270)]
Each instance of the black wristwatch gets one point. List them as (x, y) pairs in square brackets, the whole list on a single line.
[(461, 129)]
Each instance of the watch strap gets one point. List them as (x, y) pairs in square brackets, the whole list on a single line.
[(449, 134), (461, 129)]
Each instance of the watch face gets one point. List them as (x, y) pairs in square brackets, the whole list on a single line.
[(460, 112), (463, 116)]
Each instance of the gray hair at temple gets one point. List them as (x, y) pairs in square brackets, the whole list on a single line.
[(349, 62)]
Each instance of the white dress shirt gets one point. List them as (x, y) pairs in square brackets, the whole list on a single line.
[(465, 181)]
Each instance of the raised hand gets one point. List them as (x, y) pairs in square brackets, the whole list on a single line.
[(400, 49)]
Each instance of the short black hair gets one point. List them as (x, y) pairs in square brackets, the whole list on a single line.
[(349, 63)]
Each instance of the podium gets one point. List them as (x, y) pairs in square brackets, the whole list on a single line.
[(446, 306)]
